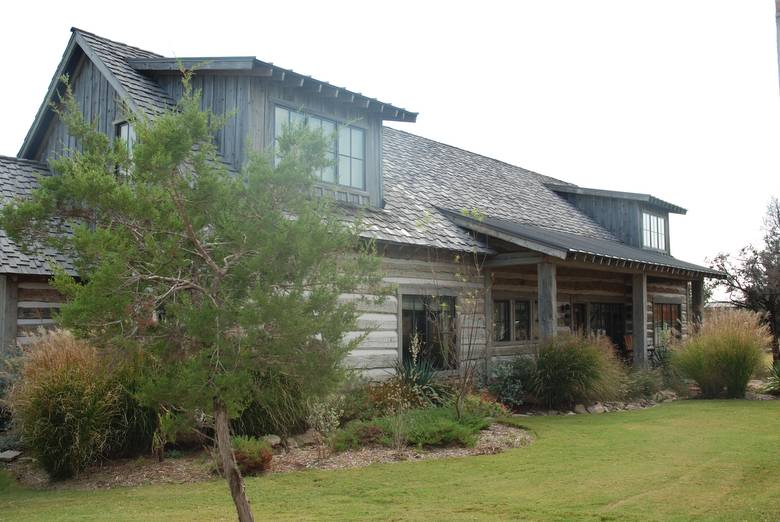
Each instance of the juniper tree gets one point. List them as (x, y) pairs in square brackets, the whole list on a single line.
[(210, 274)]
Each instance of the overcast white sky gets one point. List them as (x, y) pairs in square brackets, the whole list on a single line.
[(677, 98)]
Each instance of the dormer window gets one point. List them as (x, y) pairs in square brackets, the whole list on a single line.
[(653, 231), (346, 146), (125, 132)]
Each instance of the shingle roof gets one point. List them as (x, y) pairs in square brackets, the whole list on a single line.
[(17, 179), (144, 91), (574, 244), (421, 175)]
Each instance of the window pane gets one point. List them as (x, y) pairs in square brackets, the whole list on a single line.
[(329, 171), (522, 320), (501, 321), (329, 131), (343, 170), (281, 120), (344, 140), (428, 330), (357, 173), (357, 143)]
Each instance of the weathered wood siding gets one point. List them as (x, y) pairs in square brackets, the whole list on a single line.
[(660, 290), (29, 304), (98, 102), (412, 272), (250, 102)]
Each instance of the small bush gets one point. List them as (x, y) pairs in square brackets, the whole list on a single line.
[(253, 455), (512, 381), (357, 434), (483, 405), (644, 383), (356, 403), (573, 369), (418, 377), (66, 403), (278, 406), (440, 428), (725, 353)]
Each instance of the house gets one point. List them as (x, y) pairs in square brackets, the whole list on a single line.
[(554, 256)]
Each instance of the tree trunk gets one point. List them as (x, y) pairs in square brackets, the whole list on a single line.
[(232, 473)]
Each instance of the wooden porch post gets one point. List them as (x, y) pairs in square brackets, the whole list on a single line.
[(548, 300), (639, 320), (697, 304)]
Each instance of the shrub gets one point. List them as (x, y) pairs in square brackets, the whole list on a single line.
[(356, 403), (773, 380), (357, 434), (278, 406), (483, 405), (512, 381), (418, 377), (644, 383), (253, 455), (572, 369), (725, 353), (66, 403), (440, 428)]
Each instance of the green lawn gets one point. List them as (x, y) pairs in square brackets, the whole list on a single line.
[(691, 460)]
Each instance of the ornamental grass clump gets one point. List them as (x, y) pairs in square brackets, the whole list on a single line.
[(572, 369), (725, 353), (65, 403)]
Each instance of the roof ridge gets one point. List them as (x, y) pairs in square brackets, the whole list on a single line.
[(82, 31), (477, 154)]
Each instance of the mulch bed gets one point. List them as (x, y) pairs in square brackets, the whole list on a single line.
[(199, 466)]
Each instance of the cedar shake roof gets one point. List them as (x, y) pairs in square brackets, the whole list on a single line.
[(422, 178), (18, 177)]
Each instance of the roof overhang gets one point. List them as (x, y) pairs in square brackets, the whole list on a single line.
[(571, 247), (250, 65), (635, 196)]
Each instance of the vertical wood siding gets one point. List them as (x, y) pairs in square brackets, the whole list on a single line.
[(98, 102)]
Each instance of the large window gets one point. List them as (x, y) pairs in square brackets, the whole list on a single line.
[(609, 319), (653, 231), (511, 320), (126, 134), (428, 329), (667, 324), (346, 146)]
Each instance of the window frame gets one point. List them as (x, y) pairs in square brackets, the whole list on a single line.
[(338, 125), (447, 366), (513, 319), (677, 330), (129, 142), (648, 218)]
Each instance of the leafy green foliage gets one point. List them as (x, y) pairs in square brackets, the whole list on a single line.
[(418, 377), (725, 353), (512, 381), (427, 427), (773, 380), (253, 455), (226, 282)]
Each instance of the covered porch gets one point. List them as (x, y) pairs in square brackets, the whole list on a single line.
[(541, 283)]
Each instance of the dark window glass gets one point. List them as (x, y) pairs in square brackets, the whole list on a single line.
[(501, 321), (667, 324), (609, 319), (430, 321), (522, 320), (580, 324)]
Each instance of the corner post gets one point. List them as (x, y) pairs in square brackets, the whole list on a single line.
[(697, 303), (639, 319), (548, 299)]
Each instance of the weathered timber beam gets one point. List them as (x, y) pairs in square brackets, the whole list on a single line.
[(514, 259)]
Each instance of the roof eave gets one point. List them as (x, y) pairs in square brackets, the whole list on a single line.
[(635, 196)]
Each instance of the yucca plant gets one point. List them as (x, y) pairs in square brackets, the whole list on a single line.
[(773, 380)]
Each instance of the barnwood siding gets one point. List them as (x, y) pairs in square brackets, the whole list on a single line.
[(98, 102), (251, 100), (411, 271)]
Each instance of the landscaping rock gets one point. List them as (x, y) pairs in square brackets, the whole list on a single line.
[(9, 455), (581, 409), (291, 444), (596, 408), (553, 412), (274, 440)]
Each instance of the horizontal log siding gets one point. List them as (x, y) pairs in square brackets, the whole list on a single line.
[(667, 291), (36, 304), (411, 272)]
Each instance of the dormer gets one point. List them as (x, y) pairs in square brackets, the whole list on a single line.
[(639, 220), (265, 99)]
